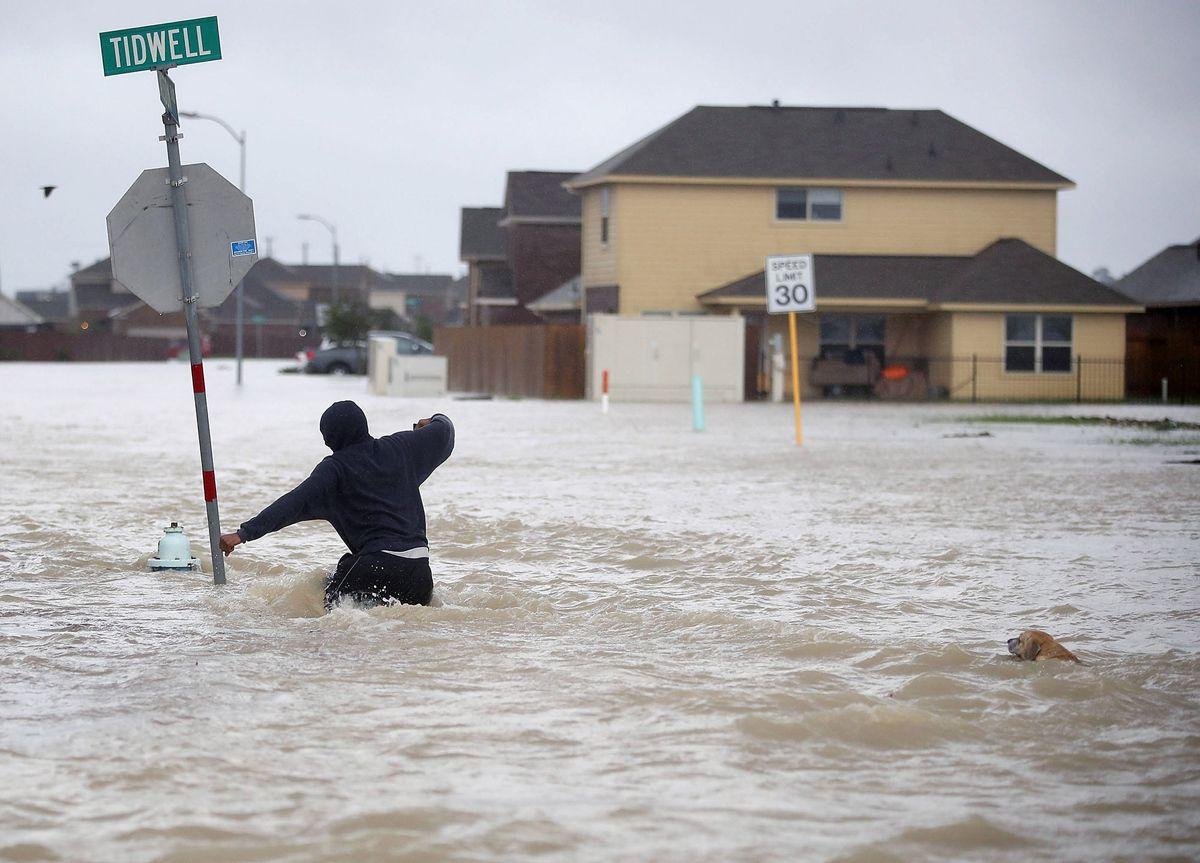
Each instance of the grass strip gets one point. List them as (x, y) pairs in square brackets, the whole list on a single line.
[(1163, 425)]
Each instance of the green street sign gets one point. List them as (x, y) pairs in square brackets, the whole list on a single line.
[(160, 45)]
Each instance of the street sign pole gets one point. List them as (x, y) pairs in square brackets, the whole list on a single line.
[(183, 246), (791, 288), (795, 377)]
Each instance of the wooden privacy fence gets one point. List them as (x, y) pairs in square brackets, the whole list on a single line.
[(83, 347), (541, 361)]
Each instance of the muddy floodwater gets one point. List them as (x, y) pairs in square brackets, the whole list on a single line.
[(647, 643)]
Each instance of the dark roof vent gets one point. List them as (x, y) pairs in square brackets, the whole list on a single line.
[(774, 103), (839, 116), (932, 150)]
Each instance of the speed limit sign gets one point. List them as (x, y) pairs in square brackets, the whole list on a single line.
[(791, 286)]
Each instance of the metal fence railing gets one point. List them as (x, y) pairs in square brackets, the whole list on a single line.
[(978, 378)]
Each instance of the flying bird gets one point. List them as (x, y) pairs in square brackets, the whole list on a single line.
[(46, 190)]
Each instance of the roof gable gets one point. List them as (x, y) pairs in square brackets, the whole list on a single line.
[(1172, 277), (13, 313), (1012, 271), (1008, 272), (823, 143), (540, 195), (96, 272), (480, 235)]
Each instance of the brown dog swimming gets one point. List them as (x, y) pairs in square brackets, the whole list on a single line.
[(1035, 645)]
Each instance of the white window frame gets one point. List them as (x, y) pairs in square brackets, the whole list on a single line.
[(808, 205), (1037, 343)]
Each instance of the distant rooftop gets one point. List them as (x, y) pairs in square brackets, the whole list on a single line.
[(50, 305), (480, 235), (1170, 278), (14, 314), (420, 284), (823, 143), (540, 195)]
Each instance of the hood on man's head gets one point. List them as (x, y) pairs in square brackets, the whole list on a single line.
[(344, 424)]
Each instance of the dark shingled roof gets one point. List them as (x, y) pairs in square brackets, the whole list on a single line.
[(893, 277), (823, 143), (1012, 271), (100, 271), (1008, 272), (480, 235), (1170, 278), (420, 284), (355, 278), (260, 299), (540, 195), (49, 305), (100, 298)]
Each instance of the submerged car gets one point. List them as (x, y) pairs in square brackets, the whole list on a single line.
[(351, 358)]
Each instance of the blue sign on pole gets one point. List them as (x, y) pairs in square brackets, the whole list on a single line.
[(242, 247)]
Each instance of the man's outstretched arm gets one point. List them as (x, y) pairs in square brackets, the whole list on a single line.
[(432, 442), (299, 504)]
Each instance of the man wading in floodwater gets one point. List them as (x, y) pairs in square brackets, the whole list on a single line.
[(369, 491)]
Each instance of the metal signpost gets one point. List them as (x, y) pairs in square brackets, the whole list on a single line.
[(197, 253), (791, 288)]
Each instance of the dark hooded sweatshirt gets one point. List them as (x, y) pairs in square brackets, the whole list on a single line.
[(368, 488)]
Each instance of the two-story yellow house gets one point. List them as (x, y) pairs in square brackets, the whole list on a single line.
[(905, 211)]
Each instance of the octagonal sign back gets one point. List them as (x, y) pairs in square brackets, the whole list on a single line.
[(141, 238)]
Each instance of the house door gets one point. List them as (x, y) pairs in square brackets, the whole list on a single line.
[(757, 364)]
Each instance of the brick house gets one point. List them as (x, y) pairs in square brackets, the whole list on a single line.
[(1164, 341), (523, 251)]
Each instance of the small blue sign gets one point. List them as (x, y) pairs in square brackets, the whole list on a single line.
[(242, 247)]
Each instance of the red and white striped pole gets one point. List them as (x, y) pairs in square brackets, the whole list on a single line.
[(182, 245), (207, 473), (604, 391)]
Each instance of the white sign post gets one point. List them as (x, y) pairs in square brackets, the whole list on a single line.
[(791, 288)]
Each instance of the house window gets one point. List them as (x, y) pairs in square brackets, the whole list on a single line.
[(604, 216), (817, 205), (1037, 343), (850, 338)]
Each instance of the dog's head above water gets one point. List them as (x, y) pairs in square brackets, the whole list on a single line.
[(1036, 646)]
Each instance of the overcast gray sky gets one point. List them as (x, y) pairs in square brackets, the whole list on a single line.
[(386, 117)]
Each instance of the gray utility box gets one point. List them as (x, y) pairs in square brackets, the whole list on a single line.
[(417, 375), (652, 358)]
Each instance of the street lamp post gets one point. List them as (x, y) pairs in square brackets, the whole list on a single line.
[(239, 316), (306, 217)]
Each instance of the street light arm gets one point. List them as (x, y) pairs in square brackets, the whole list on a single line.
[(196, 115), (306, 217)]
